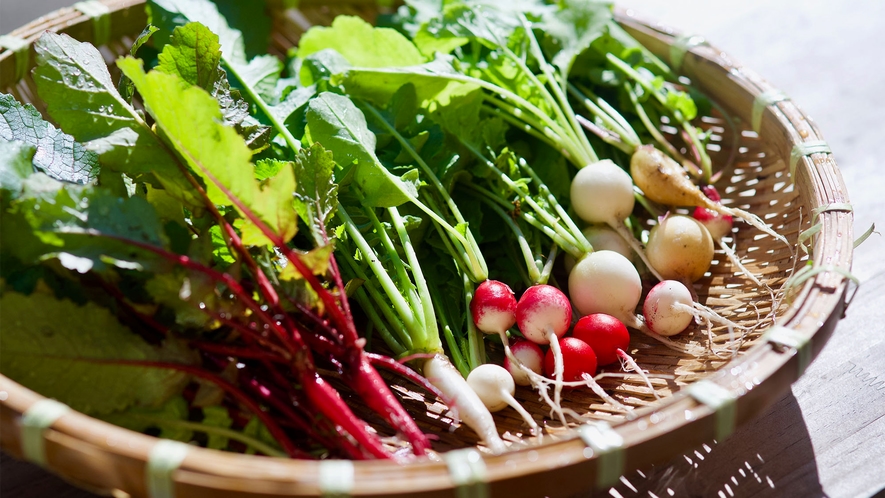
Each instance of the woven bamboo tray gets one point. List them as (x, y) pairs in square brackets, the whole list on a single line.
[(776, 167)]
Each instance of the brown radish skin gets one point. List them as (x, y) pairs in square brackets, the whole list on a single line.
[(680, 248), (663, 180)]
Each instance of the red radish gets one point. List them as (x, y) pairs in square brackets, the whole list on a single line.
[(544, 314), (718, 224), (605, 334), (578, 359), (527, 354), (668, 308), (494, 308)]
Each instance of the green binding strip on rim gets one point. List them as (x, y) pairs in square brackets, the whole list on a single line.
[(468, 472), (101, 20), (681, 45), (336, 478), (36, 419), (18, 46), (721, 401), (164, 458), (803, 149), (789, 338), (762, 101), (607, 446)]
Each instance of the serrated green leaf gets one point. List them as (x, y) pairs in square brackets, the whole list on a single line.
[(74, 82), (77, 355), (57, 154), (217, 416), (361, 43), (125, 86), (194, 54), (316, 195), (214, 151), (575, 25)]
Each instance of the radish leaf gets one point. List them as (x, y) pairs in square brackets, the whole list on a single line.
[(57, 154), (77, 354)]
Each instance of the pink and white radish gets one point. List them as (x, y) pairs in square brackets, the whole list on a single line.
[(495, 387), (526, 355), (680, 248), (606, 282), (602, 192), (668, 308), (544, 314), (494, 308), (718, 224)]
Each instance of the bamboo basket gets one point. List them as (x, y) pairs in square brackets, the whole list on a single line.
[(782, 172)]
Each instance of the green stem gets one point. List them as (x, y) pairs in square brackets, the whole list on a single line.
[(454, 348), (430, 341), (371, 258), (475, 352), (404, 342), (561, 97), (576, 232), (613, 124), (528, 257), (478, 268), (405, 286), (545, 216), (217, 431), (263, 106)]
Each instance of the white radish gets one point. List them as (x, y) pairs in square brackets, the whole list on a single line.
[(495, 387), (442, 374), (680, 248), (606, 282), (602, 238), (602, 192)]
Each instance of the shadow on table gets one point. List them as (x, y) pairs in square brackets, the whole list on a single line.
[(23, 480), (771, 456)]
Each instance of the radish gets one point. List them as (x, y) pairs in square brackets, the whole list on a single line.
[(527, 354), (680, 248), (718, 224), (442, 374), (602, 238), (495, 387), (579, 364), (605, 334), (543, 315), (663, 180), (602, 192), (578, 359), (606, 282), (668, 308), (494, 308), (609, 339)]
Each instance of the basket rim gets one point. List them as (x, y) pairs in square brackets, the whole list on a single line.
[(812, 315)]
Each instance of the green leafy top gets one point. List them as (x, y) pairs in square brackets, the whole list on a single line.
[(79, 354), (56, 153)]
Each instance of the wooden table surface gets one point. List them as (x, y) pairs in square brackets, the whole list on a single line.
[(827, 436)]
